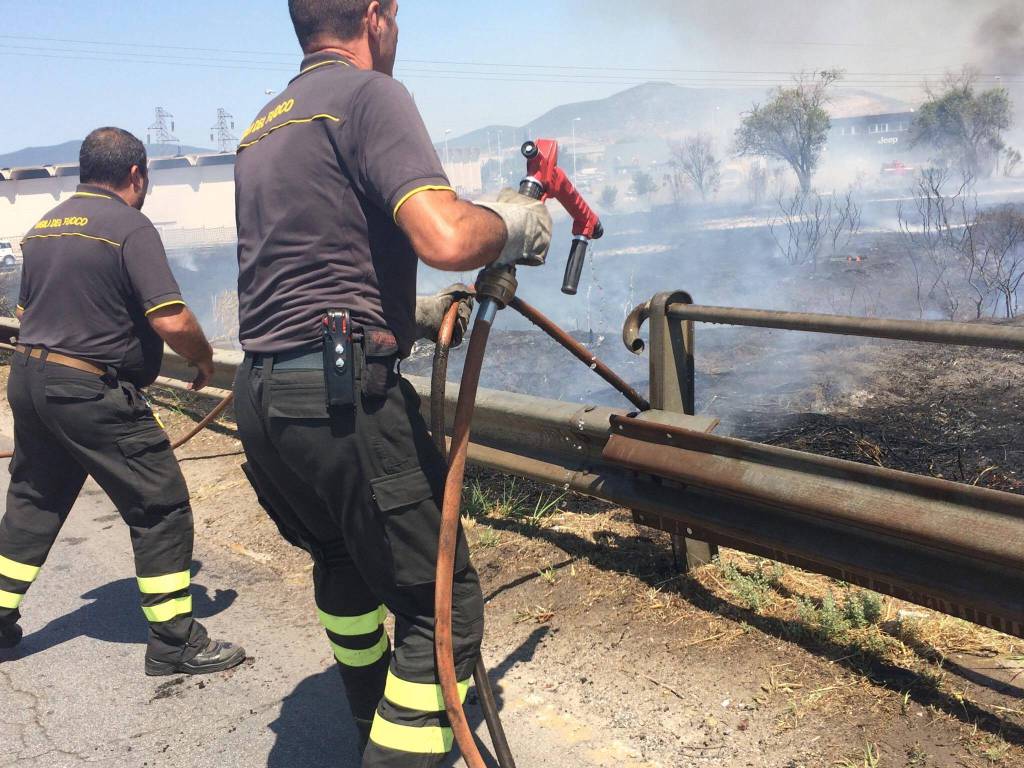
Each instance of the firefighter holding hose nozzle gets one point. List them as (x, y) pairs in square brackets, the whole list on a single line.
[(340, 194)]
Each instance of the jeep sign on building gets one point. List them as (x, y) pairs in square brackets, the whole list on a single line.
[(883, 136)]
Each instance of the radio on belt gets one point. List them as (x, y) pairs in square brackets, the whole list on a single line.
[(339, 362)]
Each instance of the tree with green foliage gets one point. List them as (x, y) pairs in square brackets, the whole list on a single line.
[(791, 126), (643, 185), (609, 196), (963, 124)]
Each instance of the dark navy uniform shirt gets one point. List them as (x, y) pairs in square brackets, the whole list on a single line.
[(94, 268), (320, 177)]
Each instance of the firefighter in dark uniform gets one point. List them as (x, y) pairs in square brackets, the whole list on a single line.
[(339, 194), (97, 302)]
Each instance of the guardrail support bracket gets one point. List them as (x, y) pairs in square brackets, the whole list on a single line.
[(672, 376)]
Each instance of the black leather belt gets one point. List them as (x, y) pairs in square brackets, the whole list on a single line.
[(293, 361), (377, 341)]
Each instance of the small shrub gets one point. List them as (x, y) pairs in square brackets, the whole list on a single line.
[(488, 538), (753, 589), (832, 620), (862, 609)]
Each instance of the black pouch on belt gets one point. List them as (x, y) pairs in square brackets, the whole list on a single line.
[(380, 356), (339, 362)]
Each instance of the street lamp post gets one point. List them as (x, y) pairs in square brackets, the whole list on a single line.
[(447, 159), (501, 162), (574, 121)]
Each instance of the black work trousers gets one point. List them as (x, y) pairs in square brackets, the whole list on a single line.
[(69, 424), (360, 490)]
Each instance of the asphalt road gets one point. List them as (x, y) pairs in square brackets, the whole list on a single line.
[(74, 692)]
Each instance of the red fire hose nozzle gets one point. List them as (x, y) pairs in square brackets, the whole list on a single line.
[(546, 180)]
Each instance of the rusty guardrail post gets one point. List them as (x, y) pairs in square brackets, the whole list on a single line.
[(672, 375)]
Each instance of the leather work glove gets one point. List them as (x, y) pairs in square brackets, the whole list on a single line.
[(529, 229), (430, 312)]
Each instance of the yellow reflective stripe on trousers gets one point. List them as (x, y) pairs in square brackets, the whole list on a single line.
[(10, 600), (17, 571), (361, 658), (161, 585), (349, 626), (429, 740), (423, 697), (170, 609)]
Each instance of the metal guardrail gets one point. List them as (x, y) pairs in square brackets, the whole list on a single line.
[(931, 331), (673, 317), (201, 236), (978, 591), (951, 547)]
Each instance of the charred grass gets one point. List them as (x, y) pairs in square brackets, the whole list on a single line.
[(849, 656)]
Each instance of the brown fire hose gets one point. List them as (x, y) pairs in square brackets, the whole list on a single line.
[(448, 540), (451, 509), (211, 417), (439, 380)]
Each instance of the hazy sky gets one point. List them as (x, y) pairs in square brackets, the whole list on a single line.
[(469, 64)]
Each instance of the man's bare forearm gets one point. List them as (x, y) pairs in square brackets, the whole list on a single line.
[(483, 236), (450, 234), (180, 329)]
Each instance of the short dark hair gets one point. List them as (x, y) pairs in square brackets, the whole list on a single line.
[(338, 19), (107, 156)]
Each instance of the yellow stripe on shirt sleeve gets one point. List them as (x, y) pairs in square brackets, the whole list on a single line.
[(428, 188), (165, 305)]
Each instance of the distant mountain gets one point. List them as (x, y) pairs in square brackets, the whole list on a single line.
[(657, 110), (855, 103), (60, 154)]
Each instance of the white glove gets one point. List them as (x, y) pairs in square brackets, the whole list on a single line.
[(529, 229), (430, 312)]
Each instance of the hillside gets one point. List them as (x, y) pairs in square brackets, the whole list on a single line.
[(660, 109)]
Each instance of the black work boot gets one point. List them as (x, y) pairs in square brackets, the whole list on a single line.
[(217, 656), (10, 634)]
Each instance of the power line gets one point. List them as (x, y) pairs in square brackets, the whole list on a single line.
[(56, 53), (595, 77), (147, 53), (111, 43), (750, 43), (702, 83), (684, 71), (532, 78)]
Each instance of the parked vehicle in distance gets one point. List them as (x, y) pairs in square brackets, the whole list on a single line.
[(7, 258), (897, 168)]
